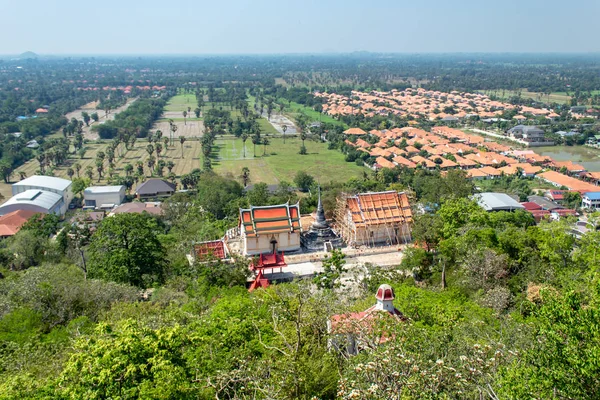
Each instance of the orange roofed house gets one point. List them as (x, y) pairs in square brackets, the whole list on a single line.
[(270, 229), (374, 218)]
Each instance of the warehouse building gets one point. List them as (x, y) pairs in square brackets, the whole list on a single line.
[(104, 197), (49, 184)]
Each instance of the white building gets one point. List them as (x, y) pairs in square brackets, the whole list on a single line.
[(50, 184), (270, 229), (591, 201), (39, 201), (105, 197)]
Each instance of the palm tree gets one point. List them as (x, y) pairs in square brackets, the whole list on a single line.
[(151, 161), (166, 142), (284, 128), (150, 149), (266, 142), (70, 173), (77, 168), (245, 137), (140, 167), (158, 149), (89, 171), (303, 138), (245, 176), (173, 130), (184, 117), (128, 168), (170, 165), (182, 141), (160, 166), (99, 168)]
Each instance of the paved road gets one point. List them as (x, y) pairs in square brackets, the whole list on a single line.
[(307, 269)]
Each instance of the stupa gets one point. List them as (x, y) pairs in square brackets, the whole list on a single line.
[(320, 236)]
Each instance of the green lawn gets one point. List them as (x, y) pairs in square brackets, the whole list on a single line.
[(181, 102), (282, 162), (313, 115)]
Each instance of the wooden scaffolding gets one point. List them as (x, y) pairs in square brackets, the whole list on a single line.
[(373, 213)]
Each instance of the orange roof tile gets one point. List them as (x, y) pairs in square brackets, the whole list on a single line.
[(270, 219), (379, 208)]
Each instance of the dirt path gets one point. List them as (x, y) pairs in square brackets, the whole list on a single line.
[(278, 120)]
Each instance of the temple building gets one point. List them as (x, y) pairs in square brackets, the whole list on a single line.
[(370, 219), (320, 236), (270, 229)]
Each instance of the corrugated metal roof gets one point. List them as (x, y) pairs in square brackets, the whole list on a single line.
[(497, 201), (40, 198), (49, 182)]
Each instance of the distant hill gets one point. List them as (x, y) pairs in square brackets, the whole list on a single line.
[(28, 55)]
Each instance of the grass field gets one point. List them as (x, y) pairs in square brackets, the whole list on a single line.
[(556, 97), (295, 108), (190, 161), (181, 102), (282, 162)]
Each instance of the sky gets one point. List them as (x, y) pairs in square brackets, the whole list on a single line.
[(284, 26)]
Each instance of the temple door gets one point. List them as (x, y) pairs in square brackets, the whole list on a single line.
[(273, 245)]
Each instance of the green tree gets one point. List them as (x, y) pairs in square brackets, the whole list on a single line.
[(131, 361), (126, 249), (6, 170), (563, 360), (303, 180), (333, 268), (181, 141), (86, 118)]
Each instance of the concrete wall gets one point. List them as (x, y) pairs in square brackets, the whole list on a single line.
[(286, 241), (106, 198)]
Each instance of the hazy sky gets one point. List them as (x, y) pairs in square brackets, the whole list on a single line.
[(284, 26)]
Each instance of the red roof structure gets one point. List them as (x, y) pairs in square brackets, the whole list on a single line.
[(12, 222), (259, 282), (256, 221), (266, 261), (355, 131), (213, 248), (41, 111)]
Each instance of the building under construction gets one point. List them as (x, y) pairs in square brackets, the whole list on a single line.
[(370, 219)]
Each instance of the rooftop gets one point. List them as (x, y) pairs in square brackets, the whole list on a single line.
[(593, 195), (497, 202), (270, 219), (40, 198), (103, 189), (49, 182)]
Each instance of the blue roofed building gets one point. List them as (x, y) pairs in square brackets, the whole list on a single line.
[(591, 201)]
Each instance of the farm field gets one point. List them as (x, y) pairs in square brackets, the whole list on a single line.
[(282, 162), (190, 128), (556, 97), (191, 160)]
